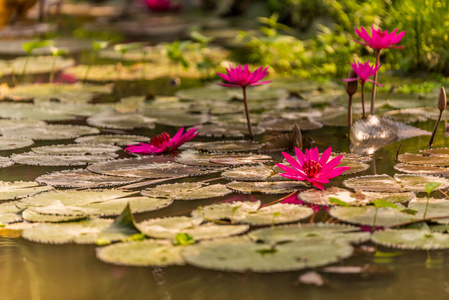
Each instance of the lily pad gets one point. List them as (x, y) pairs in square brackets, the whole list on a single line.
[(195, 158), (318, 231), (158, 253), (7, 143), (435, 208), (211, 92), (50, 132), (321, 197), (112, 139), (168, 228), (20, 189), (364, 215), (421, 169), (30, 111), (411, 239), (35, 217), (254, 173), (240, 254), (187, 191), (417, 183), (241, 159), (437, 151), (174, 118), (273, 187), (285, 125), (252, 213), (76, 149), (5, 162), (374, 183), (261, 93), (18, 123), (125, 121), (231, 130), (435, 160), (146, 168), (36, 159), (82, 178), (227, 146), (36, 64)]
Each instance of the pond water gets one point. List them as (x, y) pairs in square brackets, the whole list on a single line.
[(39, 271)]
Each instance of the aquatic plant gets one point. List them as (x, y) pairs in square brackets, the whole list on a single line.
[(430, 187), (442, 102), (56, 52), (238, 77), (351, 89), (311, 167), (364, 71), (163, 143), (97, 46), (379, 40), (30, 46)]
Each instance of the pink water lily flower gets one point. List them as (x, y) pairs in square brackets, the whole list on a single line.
[(309, 166), (162, 143), (239, 77), (380, 40), (364, 71)]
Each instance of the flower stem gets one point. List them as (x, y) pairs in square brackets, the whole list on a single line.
[(375, 219), (247, 115), (425, 210), (362, 83), (435, 130), (349, 114), (52, 73), (373, 93)]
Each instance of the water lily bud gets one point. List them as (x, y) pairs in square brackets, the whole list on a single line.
[(442, 101), (351, 86)]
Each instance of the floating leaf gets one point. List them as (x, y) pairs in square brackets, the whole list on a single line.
[(322, 197), (435, 208), (142, 253), (317, 231), (195, 158), (168, 228), (125, 121), (411, 239), (76, 149), (210, 92), (421, 169), (32, 216), (374, 183), (283, 125), (20, 189), (240, 159), (254, 173), (5, 162), (273, 187), (146, 168), (30, 111), (240, 254), (187, 191), (227, 146), (50, 132), (231, 130), (112, 139), (364, 215), (18, 123), (83, 179), (417, 183), (435, 160), (35, 159)]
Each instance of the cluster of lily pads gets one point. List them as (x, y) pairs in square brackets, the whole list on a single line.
[(228, 231)]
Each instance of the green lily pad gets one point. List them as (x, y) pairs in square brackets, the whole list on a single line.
[(195, 158), (254, 173), (231, 130), (241, 159), (285, 125), (8, 218), (374, 183), (321, 197), (125, 121), (413, 239), (36, 64), (318, 231), (76, 149), (168, 228), (187, 191), (19, 123), (30, 111), (421, 169), (146, 168), (211, 92), (260, 93), (417, 183), (36, 159), (364, 215), (240, 254), (227, 146), (5, 162), (82, 178), (20, 189), (92, 202), (435, 160), (175, 118), (272, 187), (435, 208), (66, 93), (50, 132), (157, 253), (437, 151), (112, 139), (35, 217), (252, 213), (74, 108)]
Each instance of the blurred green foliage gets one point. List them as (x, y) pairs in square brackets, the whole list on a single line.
[(322, 43)]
